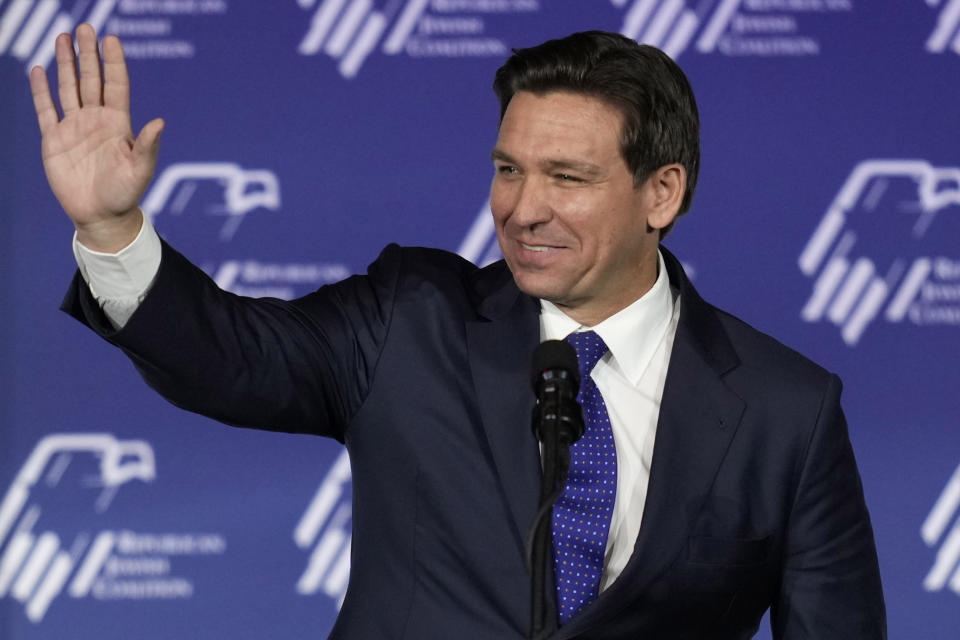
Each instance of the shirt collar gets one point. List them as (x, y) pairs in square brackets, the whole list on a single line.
[(632, 334)]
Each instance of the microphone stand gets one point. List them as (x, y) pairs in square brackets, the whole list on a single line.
[(558, 423)]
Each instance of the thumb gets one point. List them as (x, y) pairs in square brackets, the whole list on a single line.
[(148, 142)]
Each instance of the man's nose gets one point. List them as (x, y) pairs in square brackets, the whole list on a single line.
[(532, 205)]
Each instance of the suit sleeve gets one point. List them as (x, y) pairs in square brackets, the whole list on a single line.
[(830, 586), (301, 366)]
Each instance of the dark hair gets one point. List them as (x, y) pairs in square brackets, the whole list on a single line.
[(660, 120)]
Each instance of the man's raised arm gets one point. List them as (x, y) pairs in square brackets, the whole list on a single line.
[(302, 366)]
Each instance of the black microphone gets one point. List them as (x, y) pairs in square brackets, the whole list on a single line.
[(557, 423), (555, 376)]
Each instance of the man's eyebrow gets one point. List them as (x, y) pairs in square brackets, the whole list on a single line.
[(578, 166), (559, 164)]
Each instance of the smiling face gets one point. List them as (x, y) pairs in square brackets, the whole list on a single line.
[(572, 226)]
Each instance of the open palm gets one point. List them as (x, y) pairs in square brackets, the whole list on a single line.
[(96, 168)]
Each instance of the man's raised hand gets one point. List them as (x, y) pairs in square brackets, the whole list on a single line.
[(96, 168)]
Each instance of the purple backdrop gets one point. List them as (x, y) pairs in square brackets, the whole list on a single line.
[(302, 136)]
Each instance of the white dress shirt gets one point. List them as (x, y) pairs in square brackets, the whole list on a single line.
[(630, 377)]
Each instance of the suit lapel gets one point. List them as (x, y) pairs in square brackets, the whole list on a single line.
[(698, 419), (500, 343), (699, 416)]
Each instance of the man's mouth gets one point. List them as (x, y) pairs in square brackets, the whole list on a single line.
[(537, 247), (532, 247)]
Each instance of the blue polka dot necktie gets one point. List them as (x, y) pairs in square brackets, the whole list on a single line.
[(581, 516)]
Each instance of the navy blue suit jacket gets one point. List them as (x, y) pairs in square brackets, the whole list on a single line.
[(421, 368)]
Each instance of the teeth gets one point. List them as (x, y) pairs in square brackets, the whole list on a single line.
[(533, 248)]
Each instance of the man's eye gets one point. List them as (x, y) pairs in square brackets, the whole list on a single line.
[(506, 169), (566, 177)]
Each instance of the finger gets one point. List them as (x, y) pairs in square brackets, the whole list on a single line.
[(47, 114), (67, 74), (91, 83), (116, 86), (148, 142)]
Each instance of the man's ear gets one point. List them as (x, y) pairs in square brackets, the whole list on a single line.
[(666, 188)]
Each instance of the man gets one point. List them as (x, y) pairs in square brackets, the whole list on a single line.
[(716, 466)]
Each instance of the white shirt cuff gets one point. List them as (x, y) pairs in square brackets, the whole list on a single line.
[(119, 281)]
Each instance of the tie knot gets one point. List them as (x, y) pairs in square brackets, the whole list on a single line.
[(589, 347)]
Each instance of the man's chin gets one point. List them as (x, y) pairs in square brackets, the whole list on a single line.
[(540, 287)]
